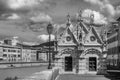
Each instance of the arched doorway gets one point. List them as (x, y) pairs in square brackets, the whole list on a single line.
[(92, 63), (68, 63), (92, 59), (68, 57)]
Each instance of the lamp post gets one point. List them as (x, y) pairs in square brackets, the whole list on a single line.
[(49, 30)]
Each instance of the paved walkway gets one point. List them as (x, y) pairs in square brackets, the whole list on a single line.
[(85, 77), (20, 72)]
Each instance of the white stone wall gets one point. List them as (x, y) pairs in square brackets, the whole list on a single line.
[(26, 55), (87, 56), (11, 54), (83, 61), (33, 55), (82, 66)]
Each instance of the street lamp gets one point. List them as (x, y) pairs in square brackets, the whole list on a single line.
[(49, 30)]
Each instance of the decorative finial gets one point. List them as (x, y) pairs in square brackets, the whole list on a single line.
[(91, 18), (68, 19), (80, 13), (79, 16)]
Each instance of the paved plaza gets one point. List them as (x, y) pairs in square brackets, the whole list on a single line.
[(85, 77), (20, 72)]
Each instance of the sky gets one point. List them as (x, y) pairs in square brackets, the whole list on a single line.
[(27, 18)]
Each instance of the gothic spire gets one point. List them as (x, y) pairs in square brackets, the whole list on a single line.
[(68, 20), (91, 19), (79, 16), (79, 20)]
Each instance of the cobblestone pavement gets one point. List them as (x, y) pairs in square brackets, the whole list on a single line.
[(85, 77)]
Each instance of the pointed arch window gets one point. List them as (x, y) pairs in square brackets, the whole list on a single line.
[(80, 36)]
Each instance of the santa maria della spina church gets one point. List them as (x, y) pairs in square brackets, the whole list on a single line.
[(81, 49)]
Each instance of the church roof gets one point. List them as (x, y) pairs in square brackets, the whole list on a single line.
[(97, 35), (84, 27), (69, 31)]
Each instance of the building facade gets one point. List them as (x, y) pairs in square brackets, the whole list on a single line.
[(1, 53), (113, 45), (42, 56), (80, 50), (13, 51), (43, 51), (26, 55), (29, 55), (10, 53)]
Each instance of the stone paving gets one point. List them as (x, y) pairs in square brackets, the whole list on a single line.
[(85, 77), (20, 72)]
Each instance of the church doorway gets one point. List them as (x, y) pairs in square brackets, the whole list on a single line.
[(68, 63), (92, 63)]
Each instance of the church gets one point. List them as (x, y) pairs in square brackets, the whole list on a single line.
[(81, 48)]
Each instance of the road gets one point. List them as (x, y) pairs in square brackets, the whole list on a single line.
[(85, 77), (20, 72)]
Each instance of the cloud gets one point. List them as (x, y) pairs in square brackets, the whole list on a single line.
[(41, 17), (21, 6), (98, 17), (97, 2), (13, 16), (106, 8), (16, 4), (118, 10), (3, 6), (45, 37)]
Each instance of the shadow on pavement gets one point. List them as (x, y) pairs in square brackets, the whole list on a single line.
[(87, 77), (112, 77)]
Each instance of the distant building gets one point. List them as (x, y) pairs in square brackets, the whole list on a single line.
[(8, 41), (11, 50), (42, 56), (1, 53), (1, 42), (26, 55), (10, 53), (29, 55), (33, 55), (11, 41), (43, 51)]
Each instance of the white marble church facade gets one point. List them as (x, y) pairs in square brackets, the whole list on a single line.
[(80, 49)]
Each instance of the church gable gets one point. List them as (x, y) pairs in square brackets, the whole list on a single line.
[(92, 37), (67, 38), (84, 27), (97, 36), (80, 32)]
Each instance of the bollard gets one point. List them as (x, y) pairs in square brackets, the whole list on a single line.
[(55, 73)]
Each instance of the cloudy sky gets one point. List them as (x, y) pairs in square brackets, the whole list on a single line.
[(27, 18)]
